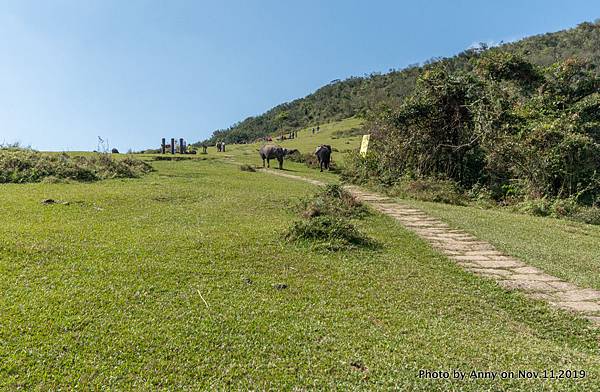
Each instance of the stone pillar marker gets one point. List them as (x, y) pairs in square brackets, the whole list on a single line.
[(163, 146), (172, 145)]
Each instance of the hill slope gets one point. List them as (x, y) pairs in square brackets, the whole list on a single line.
[(357, 95)]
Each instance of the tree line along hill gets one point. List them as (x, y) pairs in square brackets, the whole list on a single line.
[(357, 96)]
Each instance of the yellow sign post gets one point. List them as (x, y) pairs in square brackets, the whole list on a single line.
[(364, 145)]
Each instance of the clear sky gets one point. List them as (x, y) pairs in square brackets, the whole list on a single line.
[(134, 71)]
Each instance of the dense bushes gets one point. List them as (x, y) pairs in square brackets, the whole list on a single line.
[(24, 165), (507, 127), (510, 126)]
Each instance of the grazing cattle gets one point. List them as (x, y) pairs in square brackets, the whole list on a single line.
[(271, 151), (323, 153)]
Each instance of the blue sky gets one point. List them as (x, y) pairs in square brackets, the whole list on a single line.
[(135, 71)]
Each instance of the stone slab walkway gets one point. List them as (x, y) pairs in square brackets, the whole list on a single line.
[(480, 257)]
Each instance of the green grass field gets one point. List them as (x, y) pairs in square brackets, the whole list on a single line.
[(305, 143), (167, 282), (562, 248)]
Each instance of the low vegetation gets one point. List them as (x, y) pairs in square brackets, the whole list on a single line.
[(180, 281), (170, 157), (327, 222), (309, 159), (18, 165), (507, 131), (428, 189), (333, 200), (328, 233), (344, 133)]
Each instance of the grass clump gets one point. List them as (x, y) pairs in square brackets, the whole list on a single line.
[(170, 158), (330, 233), (25, 165), (561, 209), (335, 201), (327, 221), (590, 215), (247, 168), (344, 133), (309, 159), (428, 189)]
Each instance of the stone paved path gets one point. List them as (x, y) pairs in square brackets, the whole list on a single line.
[(480, 257)]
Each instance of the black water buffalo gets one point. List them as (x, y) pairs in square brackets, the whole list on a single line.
[(271, 151), (323, 153)]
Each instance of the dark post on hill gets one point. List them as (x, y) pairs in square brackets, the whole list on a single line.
[(173, 146)]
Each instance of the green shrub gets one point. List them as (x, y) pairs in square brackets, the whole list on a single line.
[(537, 207), (364, 170), (329, 233), (565, 208), (500, 123), (333, 200), (310, 159), (481, 196), (589, 215), (560, 208), (429, 189), (296, 156), (327, 223), (25, 165)]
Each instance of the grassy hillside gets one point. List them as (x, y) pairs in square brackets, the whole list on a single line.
[(306, 143), (169, 282), (357, 95), (560, 247)]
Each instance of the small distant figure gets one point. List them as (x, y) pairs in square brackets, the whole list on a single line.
[(222, 146), (313, 130), (218, 146), (318, 128)]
